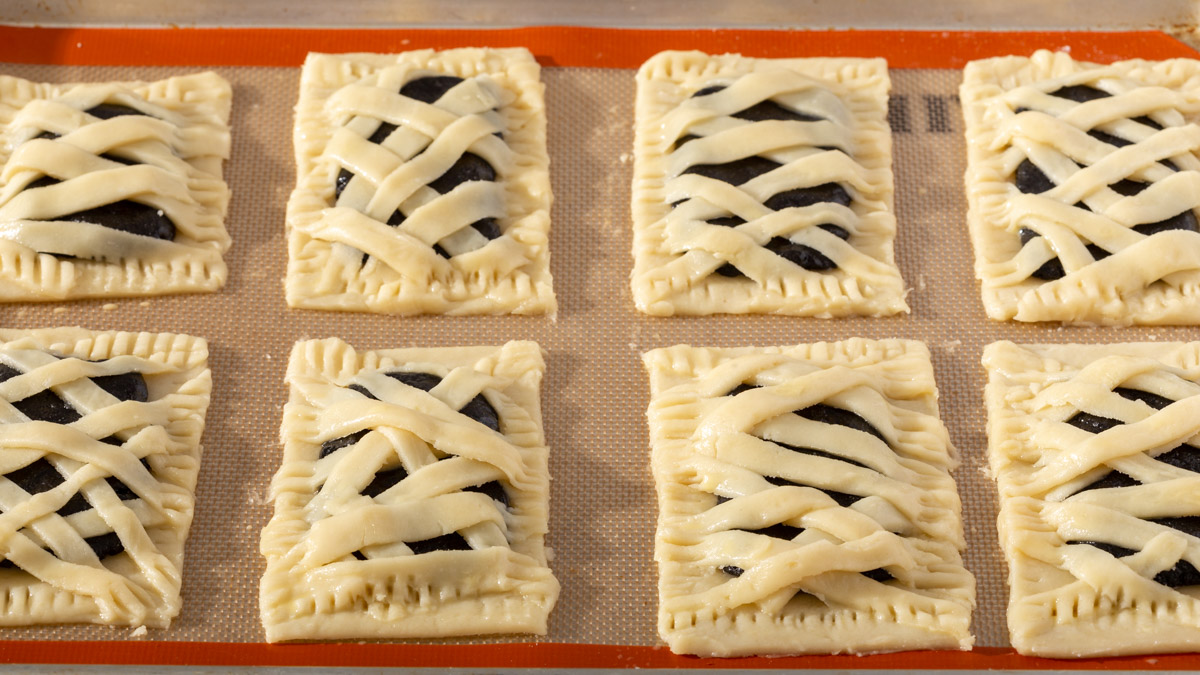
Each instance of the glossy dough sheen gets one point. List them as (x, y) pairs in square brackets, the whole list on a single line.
[(174, 152), (317, 586), (719, 485), (343, 98), (1075, 600), (137, 587), (677, 252), (1147, 279)]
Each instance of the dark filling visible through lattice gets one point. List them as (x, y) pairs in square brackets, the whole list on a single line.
[(1184, 457), (743, 170), (469, 167), (125, 215), (1031, 180), (827, 414), (477, 409), (41, 476)]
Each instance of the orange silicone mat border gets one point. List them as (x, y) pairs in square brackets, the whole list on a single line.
[(535, 655), (556, 45), (564, 47)]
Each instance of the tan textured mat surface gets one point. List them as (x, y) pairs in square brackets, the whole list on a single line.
[(595, 393)]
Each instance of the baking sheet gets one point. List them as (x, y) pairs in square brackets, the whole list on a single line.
[(595, 392)]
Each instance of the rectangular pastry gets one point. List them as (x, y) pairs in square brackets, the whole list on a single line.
[(422, 184), (1083, 182), (763, 186), (805, 501), (412, 497), (99, 452), (112, 189), (1096, 449)]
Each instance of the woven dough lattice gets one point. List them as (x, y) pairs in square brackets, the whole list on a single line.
[(763, 186), (1083, 184), (806, 502), (99, 449), (412, 498), (1094, 449), (423, 184), (113, 189)]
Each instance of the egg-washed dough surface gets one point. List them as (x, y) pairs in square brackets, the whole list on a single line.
[(73, 149), (804, 135), (1105, 232), (99, 473), (1094, 450), (392, 241), (834, 529), (343, 549)]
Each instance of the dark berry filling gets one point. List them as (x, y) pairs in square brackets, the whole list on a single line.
[(331, 446), (477, 408), (105, 545), (779, 531), (842, 498), (740, 171), (41, 476), (124, 386), (736, 172), (740, 388), (384, 480), (125, 215), (805, 256), (820, 453), (1183, 573), (492, 489), (878, 574), (447, 542), (765, 110), (1184, 457), (429, 89), (1030, 179), (831, 415), (469, 167), (107, 111)]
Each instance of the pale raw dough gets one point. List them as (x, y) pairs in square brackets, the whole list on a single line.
[(58, 577), (172, 159), (727, 590), (317, 586), (677, 254), (1079, 600), (344, 99), (1011, 116)]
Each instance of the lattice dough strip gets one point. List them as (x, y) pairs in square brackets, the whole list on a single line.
[(344, 562), (683, 262), (59, 576), (1103, 230), (495, 113), (840, 505)]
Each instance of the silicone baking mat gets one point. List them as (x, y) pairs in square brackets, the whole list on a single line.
[(595, 392)]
